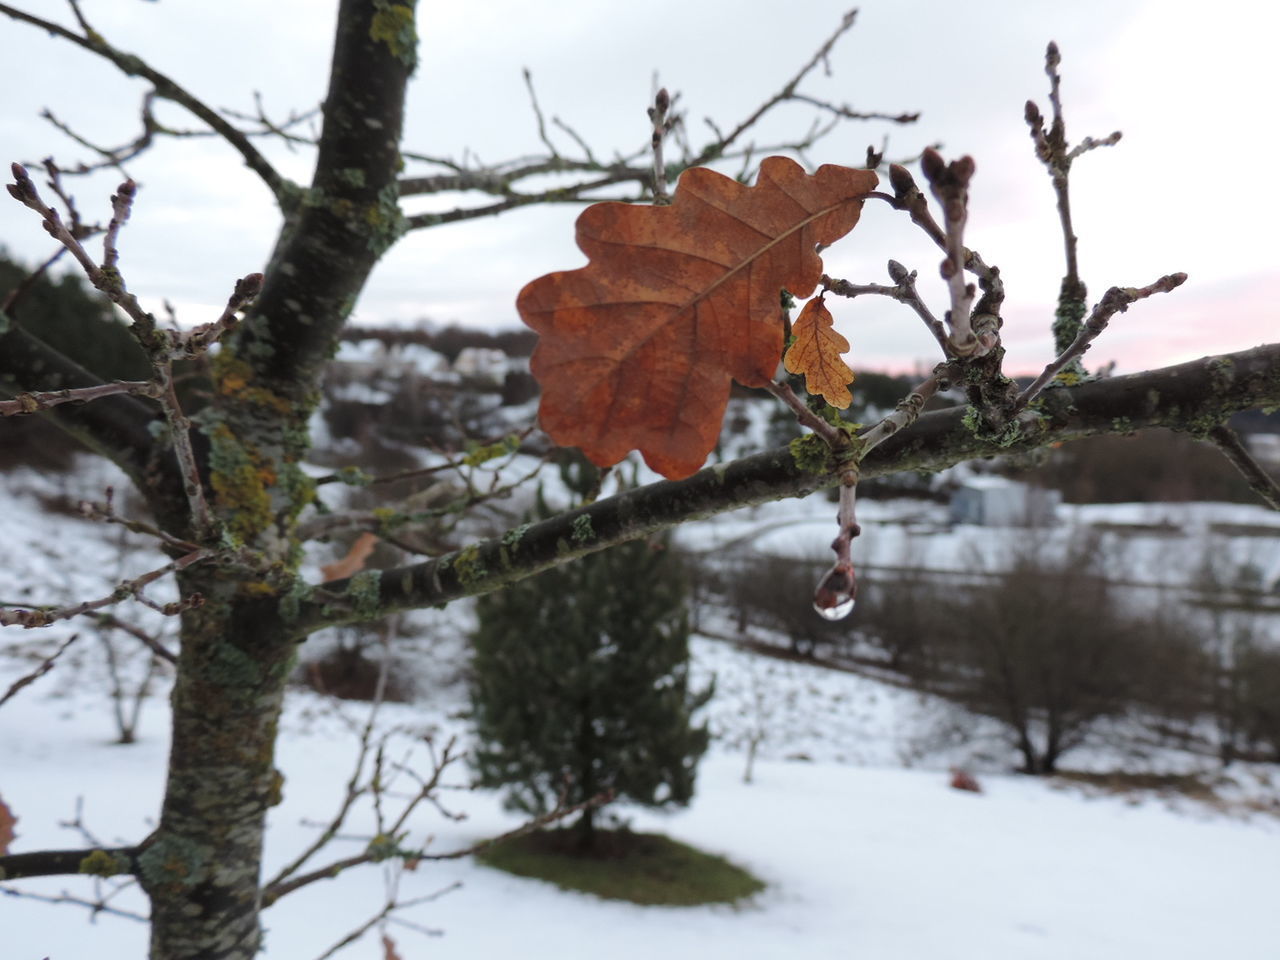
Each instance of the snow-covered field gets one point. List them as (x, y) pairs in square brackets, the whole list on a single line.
[(866, 851)]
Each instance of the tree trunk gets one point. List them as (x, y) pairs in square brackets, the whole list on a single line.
[(201, 866)]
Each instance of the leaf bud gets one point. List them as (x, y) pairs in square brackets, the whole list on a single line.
[(901, 180), (932, 164), (248, 287), (898, 273)]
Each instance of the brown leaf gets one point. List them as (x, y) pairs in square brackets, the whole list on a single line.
[(816, 353), (389, 949), (7, 820), (353, 562), (636, 349)]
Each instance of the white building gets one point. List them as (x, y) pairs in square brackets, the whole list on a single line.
[(998, 502)]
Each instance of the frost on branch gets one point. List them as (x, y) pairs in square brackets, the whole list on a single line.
[(637, 349)]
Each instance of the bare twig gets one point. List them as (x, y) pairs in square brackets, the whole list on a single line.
[(950, 185), (166, 88), (14, 296), (502, 180), (105, 511), (907, 411), (198, 340), (661, 127), (717, 148), (383, 914), (984, 320), (110, 621), (846, 112), (94, 906), (838, 589), (537, 112), (24, 403), (43, 616), (1052, 149), (834, 437), (45, 666), (1116, 300), (904, 291), (160, 346), (1260, 481), (281, 884)]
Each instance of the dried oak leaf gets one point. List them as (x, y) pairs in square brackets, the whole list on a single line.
[(353, 562), (7, 821), (816, 353), (636, 349)]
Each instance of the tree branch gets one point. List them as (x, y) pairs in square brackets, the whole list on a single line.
[(1190, 396), (1054, 152), (133, 66), (1116, 300), (500, 180), (1261, 482), (57, 863)]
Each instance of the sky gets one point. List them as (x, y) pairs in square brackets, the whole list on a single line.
[(1188, 84)]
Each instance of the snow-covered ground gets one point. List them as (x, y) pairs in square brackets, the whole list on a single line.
[(866, 851), (862, 857)]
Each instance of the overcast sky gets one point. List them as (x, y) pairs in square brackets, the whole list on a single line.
[(1191, 85)]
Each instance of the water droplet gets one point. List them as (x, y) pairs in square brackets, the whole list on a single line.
[(833, 600), (840, 609)]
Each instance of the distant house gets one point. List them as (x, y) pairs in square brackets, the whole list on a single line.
[(999, 502), (483, 364)]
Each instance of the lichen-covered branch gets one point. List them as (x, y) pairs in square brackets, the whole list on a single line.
[(95, 861), (1191, 396)]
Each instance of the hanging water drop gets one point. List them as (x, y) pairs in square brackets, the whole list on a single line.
[(833, 600), (842, 607)]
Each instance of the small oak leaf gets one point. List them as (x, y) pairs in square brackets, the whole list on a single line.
[(816, 353), (7, 820)]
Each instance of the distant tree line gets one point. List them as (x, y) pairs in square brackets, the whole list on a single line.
[(1049, 647)]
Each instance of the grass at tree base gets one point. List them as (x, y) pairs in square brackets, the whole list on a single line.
[(644, 868)]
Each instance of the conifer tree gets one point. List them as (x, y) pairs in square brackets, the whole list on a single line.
[(580, 684)]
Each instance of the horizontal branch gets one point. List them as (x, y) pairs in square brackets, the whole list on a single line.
[(28, 616), (96, 861), (117, 427), (1191, 396), (25, 403)]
